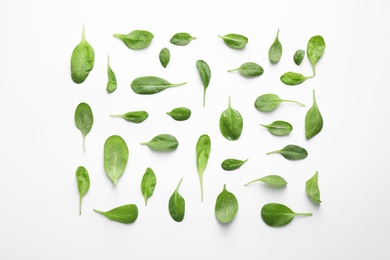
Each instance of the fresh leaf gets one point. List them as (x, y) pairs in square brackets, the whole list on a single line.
[(181, 39), (137, 39), (275, 51), (125, 214), (231, 123), (148, 184), (83, 118), (298, 56), (232, 164), (235, 41), (249, 70), (269, 102), (279, 128), (116, 155), (315, 49), (164, 56), (82, 60), (83, 183), (203, 147), (177, 204), (151, 85), (205, 75), (272, 180), (312, 189), (111, 83), (293, 78), (226, 206), (292, 152), (277, 215), (162, 142), (134, 116), (180, 113), (313, 120)]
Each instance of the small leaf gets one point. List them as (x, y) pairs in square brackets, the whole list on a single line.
[(269, 102), (203, 147), (231, 123), (279, 128), (293, 78), (235, 41), (111, 83), (181, 39), (136, 40), (226, 206), (162, 142), (232, 164), (249, 70), (315, 49), (272, 180), (180, 113), (313, 120), (148, 184), (134, 116), (277, 215), (275, 51), (83, 118), (312, 189), (164, 56), (298, 56), (116, 155), (177, 205), (125, 214), (292, 152), (205, 75), (83, 183), (151, 85)]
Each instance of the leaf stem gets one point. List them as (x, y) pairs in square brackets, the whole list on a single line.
[(252, 182), (232, 70), (292, 101), (204, 97), (83, 34), (179, 84), (84, 143), (273, 152), (201, 186), (177, 188), (117, 115), (303, 214), (81, 199)]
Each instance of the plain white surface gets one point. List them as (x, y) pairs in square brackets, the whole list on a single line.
[(41, 147)]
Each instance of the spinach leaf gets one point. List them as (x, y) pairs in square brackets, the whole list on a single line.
[(203, 147), (162, 142), (137, 39), (272, 180), (177, 204), (315, 49), (279, 128), (83, 118), (205, 75), (232, 164), (151, 85), (180, 113), (116, 155), (226, 206), (277, 215), (82, 60), (269, 102), (111, 83), (312, 189), (164, 56), (235, 41), (298, 56), (83, 183), (313, 120), (125, 214), (293, 78), (249, 70), (292, 152), (275, 51), (231, 123), (148, 184), (133, 116), (181, 39)]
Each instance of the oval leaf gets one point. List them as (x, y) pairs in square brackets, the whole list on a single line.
[(272, 180), (232, 164), (151, 85), (111, 83), (279, 128), (148, 184), (83, 183), (163, 142), (231, 123), (313, 120), (83, 119), (134, 116), (226, 206), (125, 214), (269, 102), (249, 70), (293, 78), (275, 51), (205, 75), (315, 49), (312, 189), (137, 39), (177, 205), (203, 147), (164, 56), (277, 215), (235, 41), (292, 152), (298, 56), (181, 39), (116, 155), (180, 113)]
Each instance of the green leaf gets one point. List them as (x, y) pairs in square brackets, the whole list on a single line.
[(231, 123), (272, 180), (269, 102), (82, 60), (148, 184), (298, 56), (116, 155), (180, 113), (163, 142), (312, 189), (203, 147), (83, 183), (151, 85), (125, 214), (133, 116), (205, 75), (137, 39), (275, 51), (279, 128), (235, 41), (181, 39), (111, 83), (83, 119), (226, 206), (164, 56), (313, 120), (277, 215), (249, 70), (292, 152), (315, 49), (293, 78), (177, 204), (232, 164)]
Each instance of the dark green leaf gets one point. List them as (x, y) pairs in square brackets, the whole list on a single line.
[(83, 183), (292, 152), (116, 155), (226, 206), (313, 120), (249, 70), (163, 142), (180, 113), (177, 205), (312, 189), (134, 116), (275, 51), (205, 75), (148, 184), (231, 123), (269, 102), (279, 128), (181, 39), (137, 39), (125, 214), (203, 147), (151, 85), (298, 56), (165, 56), (293, 78), (83, 118), (232, 164), (272, 180), (111, 83), (315, 49), (234, 41), (277, 215)]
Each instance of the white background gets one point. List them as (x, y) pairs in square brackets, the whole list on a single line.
[(40, 147)]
